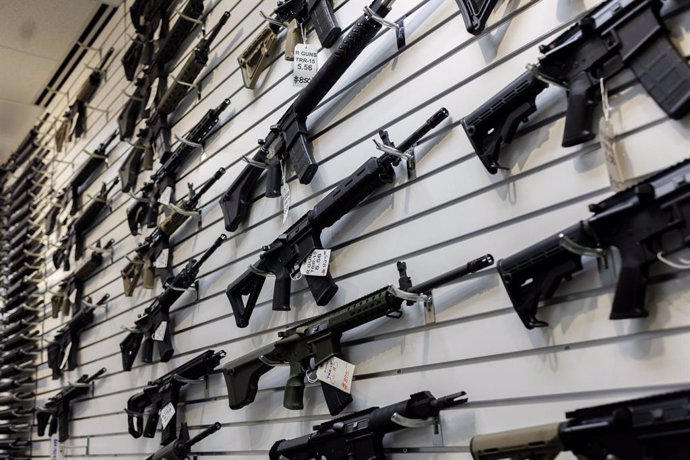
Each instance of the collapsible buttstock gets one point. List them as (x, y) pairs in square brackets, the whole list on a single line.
[(254, 59), (236, 200), (249, 284)]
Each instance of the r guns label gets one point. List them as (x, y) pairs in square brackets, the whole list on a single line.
[(305, 65)]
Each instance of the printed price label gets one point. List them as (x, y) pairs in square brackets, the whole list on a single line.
[(316, 264), (162, 259), (160, 331), (305, 65), (337, 372), (611, 155), (165, 196), (166, 414), (55, 448)]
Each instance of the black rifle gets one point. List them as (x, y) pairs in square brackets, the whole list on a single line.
[(475, 13), (64, 349), (651, 428), (16, 398), (26, 313), (614, 36), (144, 211), (169, 46), (359, 436), (96, 159), (315, 341), (165, 391), (159, 129), (146, 254), (28, 145), (146, 16), (15, 384), (77, 232), (134, 162), (293, 15), (60, 301), (26, 336), (57, 409), (154, 324), (182, 446), (642, 222), (286, 254), (16, 413), (19, 355), (86, 94), (16, 328), (288, 140), (51, 217)]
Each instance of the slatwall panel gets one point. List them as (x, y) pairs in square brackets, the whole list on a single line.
[(450, 212)]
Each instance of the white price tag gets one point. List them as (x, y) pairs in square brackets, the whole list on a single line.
[(166, 414), (165, 196), (305, 65), (285, 193), (316, 264), (68, 348), (160, 331), (337, 372), (162, 259), (611, 155), (55, 448)]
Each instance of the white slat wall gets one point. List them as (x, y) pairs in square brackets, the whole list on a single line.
[(453, 211)]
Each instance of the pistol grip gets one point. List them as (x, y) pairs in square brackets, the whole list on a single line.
[(324, 22), (42, 419), (292, 39), (281, 292), (322, 288), (165, 347), (664, 73), (580, 112), (631, 289), (147, 350), (294, 388), (152, 422), (274, 179)]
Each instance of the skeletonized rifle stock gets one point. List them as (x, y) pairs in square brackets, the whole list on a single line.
[(145, 262), (293, 15), (475, 13), (616, 35), (164, 392), (144, 210), (288, 139), (154, 324), (641, 222), (651, 428), (359, 436), (57, 410), (286, 254), (318, 340), (182, 446)]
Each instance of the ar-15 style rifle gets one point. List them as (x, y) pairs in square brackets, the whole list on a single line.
[(96, 159), (651, 428), (146, 16), (158, 128), (133, 163), (145, 260), (164, 393), (284, 257), (644, 222), (318, 340), (144, 211), (293, 15), (182, 446), (77, 232), (168, 47), (86, 94), (288, 139), (154, 324), (63, 350), (359, 436), (616, 35), (60, 301), (57, 408)]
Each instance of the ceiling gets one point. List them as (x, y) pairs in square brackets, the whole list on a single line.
[(35, 38)]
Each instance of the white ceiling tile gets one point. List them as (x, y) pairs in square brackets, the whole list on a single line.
[(23, 76), (15, 122)]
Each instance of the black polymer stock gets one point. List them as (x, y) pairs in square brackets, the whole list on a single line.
[(288, 139), (293, 15), (143, 264), (55, 413), (475, 13), (165, 390), (654, 427), (156, 316), (644, 222), (616, 35), (144, 210), (359, 436), (284, 256), (319, 339)]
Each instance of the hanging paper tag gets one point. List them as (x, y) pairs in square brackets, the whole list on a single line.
[(165, 196), (285, 193), (162, 259), (316, 264), (72, 296), (159, 335), (166, 414), (337, 372), (55, 448), (305, 65), (65, 357), (611, 155)]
